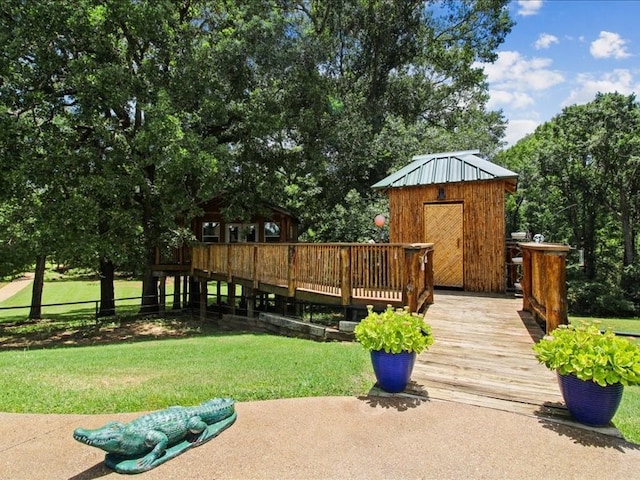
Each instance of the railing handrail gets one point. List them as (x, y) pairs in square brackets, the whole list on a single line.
[(378, 271)]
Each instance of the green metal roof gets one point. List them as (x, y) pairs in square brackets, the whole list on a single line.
[(446, 167)]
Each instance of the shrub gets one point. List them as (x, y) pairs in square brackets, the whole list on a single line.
[(590, 354), (394, 331)]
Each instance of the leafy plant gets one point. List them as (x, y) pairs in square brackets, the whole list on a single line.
[(394, 331), (589, 354)]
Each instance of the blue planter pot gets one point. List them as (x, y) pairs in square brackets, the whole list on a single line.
[(588, 402), (392, 370)]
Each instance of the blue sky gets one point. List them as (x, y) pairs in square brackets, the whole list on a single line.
[(560, 53)]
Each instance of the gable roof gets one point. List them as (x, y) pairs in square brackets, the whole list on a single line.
[(447, 167)]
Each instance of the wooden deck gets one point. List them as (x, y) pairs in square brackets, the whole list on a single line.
[(483, 349), (483, 356)]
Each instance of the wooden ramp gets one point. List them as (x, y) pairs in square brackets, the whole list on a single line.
[(482, 356)]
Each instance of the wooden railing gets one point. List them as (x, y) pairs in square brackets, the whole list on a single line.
[(544, 285), (342, 273)]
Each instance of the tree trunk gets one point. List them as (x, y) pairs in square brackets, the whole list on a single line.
[(194, 293), (149, 292), (38, 284), (627, 230), (589, 242), (107, 293)]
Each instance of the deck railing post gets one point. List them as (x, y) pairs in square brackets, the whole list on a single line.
[(544, 292), (345, 274), (556, 301), (256, 270), (411, 271), (526, 281), (429, 275), (291, 281)]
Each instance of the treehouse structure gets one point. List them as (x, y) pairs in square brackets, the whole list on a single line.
[(455, 200), (272, 224), (262, 257)]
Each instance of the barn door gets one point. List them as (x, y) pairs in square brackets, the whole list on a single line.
[(443, 228)]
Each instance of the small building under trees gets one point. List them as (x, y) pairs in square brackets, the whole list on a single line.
[(455, 200), (271, 224)]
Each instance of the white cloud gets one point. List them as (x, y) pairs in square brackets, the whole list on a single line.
[(516, 100), (609, 45), (529, 7), (513, 72), (620, 80), (516, 129), (545, 40)]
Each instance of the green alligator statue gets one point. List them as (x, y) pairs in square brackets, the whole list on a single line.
[(156, 437)]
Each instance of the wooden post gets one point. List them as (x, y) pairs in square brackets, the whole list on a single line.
[(185, 290), (256, 271), (291, 290), (526, 282), (162, 293), (556, 301), (204, 295), (345, 274), (429, 276), (411, 272), (231, 297), (176, 293), (250, 297)]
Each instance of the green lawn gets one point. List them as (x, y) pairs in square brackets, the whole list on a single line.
[(147, 375), (627, 418), (154, 374), (626, 325), (69, 291)]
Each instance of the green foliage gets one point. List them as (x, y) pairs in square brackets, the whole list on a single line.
[(631, 283), (598, 299), (578, 185), (590, 354), (394, 331)]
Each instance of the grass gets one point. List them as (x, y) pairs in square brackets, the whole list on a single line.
[(137, 376), (68, 291), (627, 418), (155, 374), (626, 325)]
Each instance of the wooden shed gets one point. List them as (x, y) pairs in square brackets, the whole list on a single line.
[(455, 200)]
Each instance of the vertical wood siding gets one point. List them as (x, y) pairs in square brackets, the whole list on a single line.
[(483, 227)]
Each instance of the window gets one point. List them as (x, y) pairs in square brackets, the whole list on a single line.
[(240, 233), (271, 232), (211, 232)]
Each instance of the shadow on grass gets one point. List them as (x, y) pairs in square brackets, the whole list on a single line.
[(79, 329)]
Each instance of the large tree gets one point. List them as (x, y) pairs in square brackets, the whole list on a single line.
[(356, 74), (579, 185), (136, 110)]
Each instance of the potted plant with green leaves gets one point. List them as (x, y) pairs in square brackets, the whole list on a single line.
[(592, 368), (394, 337)]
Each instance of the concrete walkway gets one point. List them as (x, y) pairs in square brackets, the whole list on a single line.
[(338, 438)]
